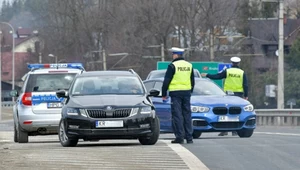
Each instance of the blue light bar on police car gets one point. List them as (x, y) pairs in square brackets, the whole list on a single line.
[(58, 65)]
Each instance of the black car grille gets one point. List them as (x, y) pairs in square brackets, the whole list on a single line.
[(220, 125), (220, 110), (235, 110), (251, 122), (224, 110), (99, 113), (199, 123)]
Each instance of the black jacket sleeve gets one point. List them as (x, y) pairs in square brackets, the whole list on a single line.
[(192, 80), (245, 85), (168, 77), (217, 76)]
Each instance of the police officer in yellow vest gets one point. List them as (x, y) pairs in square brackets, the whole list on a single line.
[(179, 80), (235, 81)]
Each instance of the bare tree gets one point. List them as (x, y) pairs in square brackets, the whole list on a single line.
[(200, 21), (293, 8), (75, 29)]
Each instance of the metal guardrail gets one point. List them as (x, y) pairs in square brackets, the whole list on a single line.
[(7, 104), (278, 117), (264, 117)]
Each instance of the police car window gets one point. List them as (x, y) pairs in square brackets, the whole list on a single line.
[(158, 86), (158, 75), (149, 85), (207, 88), (49, 82), (107, 85)]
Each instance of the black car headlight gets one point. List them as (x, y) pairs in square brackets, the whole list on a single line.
[(146, 110), (134, 111), (76, 112), (141, 110), (199, 109)]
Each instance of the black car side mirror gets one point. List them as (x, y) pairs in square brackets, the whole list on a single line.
[(153, 92), (62, 93)]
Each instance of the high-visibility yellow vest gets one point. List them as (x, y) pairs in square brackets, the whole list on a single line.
[(182, 76), (234, 80)]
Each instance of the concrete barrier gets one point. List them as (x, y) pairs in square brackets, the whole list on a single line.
[(277, 117), (7, 104)]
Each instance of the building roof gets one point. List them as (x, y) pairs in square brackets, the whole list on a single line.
[(266, 31), (20, 65), (24, 31)]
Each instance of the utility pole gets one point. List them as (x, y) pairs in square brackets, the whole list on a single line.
[(162, 52), (211, 45), (104, 59), (40, 58), (280, 85), (0, 76)]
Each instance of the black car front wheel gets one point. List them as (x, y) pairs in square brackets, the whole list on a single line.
[(245, 133), (151, 140), (63, 138), (196, 134)]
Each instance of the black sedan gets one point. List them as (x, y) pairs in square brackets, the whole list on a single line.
[(108, 105)]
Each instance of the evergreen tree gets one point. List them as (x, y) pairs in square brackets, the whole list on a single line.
[(293, 57)]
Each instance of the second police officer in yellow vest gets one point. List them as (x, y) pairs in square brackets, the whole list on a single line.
[(179, 81), (235, 81)]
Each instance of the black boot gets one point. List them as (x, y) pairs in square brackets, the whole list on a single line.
[(189, 141), (180, 141)]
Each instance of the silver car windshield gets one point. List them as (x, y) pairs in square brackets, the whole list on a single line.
[(207, 88), (103, 85)]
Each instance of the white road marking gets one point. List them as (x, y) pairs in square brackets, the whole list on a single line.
[(5, 140), (188, 157), (276, 133)]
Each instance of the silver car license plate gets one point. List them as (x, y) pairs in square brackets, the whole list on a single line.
[(54, 105)]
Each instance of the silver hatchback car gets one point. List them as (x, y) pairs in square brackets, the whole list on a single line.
[(37, 110)]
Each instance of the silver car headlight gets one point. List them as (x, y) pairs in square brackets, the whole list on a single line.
[(199, 109), (249, 108), (146, 110)]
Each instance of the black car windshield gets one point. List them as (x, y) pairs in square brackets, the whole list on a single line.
[(161, 74), (96, 85), (49, 82), (207, 88)]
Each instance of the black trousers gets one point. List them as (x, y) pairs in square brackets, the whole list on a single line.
[(181, 117)]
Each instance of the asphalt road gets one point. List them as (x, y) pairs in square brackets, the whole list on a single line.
[(269, 148)]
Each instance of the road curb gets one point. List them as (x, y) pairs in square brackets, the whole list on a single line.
[(188, 157)]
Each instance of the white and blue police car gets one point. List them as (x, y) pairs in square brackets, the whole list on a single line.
[(37, 110)]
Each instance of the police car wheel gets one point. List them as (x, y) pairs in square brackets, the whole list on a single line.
[(155, 128), (21, 135), (63, 138), (245, 133), (197, 134), (15, 134)]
